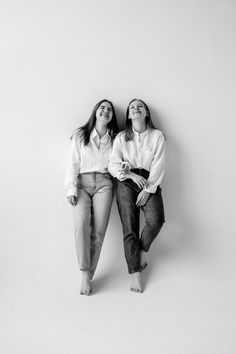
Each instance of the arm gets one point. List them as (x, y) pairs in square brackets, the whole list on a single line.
[(121, 169), (116, 159), (157, 168), (73, 167)]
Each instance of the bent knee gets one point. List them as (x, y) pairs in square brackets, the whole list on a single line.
[(155, 224)]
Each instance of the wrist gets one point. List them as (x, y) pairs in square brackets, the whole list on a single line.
[(131, 175)]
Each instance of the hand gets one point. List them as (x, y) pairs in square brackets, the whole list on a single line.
[(125, 167), (123, 171), (139, 180), (142, 198), (72, 199), (122, 176)]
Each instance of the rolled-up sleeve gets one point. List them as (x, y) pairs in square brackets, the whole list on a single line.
[(157, 168), (73, 167)]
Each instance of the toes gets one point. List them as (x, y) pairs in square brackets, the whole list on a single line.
[(136, 290), (86, 292)]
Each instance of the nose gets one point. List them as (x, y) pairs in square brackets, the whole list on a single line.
[(106, 111)]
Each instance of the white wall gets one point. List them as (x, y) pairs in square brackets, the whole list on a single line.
[(58, 58)]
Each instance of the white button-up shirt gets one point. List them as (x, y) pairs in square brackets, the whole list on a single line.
[(87, 158), (146, 150)]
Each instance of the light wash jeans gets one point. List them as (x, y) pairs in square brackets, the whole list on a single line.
[(91, 216)]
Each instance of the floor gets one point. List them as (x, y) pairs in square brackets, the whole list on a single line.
[(187, 307)]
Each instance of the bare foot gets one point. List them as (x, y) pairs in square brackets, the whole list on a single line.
[(136, 282), (144, 262), (85, 283)]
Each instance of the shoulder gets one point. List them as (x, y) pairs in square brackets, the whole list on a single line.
[(77, 138), (77, 134), (120, 136), (156, 133)]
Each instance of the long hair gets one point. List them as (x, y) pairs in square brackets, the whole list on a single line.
[(85, 130), (129, 134)]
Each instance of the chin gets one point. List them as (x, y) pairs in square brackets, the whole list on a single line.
[(107, 120)]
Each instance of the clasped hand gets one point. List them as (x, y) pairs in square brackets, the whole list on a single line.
[(139, 180)]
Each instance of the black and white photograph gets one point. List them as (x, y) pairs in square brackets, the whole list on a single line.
[(118, 177)]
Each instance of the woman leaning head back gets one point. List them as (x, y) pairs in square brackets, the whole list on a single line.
[(136, 108)]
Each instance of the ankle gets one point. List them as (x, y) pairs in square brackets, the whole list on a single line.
[(85, 274)]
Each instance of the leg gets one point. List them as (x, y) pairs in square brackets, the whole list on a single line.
[(81, 215), (154, 219), (129, 214), (101, 207), (144, 262), (136, 284)]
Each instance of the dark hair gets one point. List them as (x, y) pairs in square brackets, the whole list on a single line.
[(129, 134), (85, 131)]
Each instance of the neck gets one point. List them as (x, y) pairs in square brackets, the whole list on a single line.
[(101, 128), (139, 125)]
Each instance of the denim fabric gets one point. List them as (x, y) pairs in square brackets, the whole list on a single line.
[(91, 216), (126, 195)]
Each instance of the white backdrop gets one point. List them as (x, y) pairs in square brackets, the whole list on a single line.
[(58, 58)]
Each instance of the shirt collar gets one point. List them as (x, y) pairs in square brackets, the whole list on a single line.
[(140, 134), (105, 139)]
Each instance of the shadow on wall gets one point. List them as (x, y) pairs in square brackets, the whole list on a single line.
[(178, 237), (120, 115)]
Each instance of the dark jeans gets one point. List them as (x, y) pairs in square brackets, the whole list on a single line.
[(126, 196)]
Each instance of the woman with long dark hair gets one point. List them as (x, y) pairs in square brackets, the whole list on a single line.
[(137, 161), (89, 186)]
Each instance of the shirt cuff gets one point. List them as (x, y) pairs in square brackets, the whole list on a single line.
[(72, 191), (150, 188), (119, 176)]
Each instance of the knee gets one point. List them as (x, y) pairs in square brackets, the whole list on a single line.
[(131, 241), (156, 223), (159, 223), (149, 233), (81, 225)]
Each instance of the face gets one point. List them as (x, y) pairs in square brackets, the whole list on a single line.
[(104, 112), (137, 110)]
